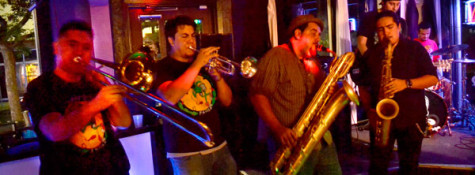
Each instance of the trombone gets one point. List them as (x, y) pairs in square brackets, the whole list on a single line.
[(224, 65), (208, 136)]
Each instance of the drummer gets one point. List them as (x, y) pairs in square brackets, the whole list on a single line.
[(430, 45)]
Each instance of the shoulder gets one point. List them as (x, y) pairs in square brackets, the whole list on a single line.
[(40, 80), (279, 52)]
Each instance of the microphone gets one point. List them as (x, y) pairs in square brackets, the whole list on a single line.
[(321, 48)]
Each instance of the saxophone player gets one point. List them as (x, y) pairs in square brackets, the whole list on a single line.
[(411, 72), (283, 87)]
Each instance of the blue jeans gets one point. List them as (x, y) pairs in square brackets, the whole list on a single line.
[(323, 161), (220, 162)]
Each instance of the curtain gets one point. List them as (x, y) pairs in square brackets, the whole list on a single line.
[(412, 19), (343, 38), (272, 21), (429, 15)]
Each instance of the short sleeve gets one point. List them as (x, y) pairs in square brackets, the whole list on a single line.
[(267, 76), (425, 66)]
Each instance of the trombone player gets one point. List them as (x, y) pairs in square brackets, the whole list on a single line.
[(73, 113), (182, 82), (411, 72)]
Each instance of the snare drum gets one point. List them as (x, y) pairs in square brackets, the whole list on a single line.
[(437, 111)]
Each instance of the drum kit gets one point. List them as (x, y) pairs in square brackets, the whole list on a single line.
[(439, 97)]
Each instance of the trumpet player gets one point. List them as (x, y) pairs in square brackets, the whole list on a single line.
[(182, 81), (411, 72), (283, 87), (73, 113)]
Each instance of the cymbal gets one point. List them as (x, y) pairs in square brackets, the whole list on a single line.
[(450, 49), (464, 61)]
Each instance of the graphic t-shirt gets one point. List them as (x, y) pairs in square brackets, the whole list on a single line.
[(91, 150), (199, 103)]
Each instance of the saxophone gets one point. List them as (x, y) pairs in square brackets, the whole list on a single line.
[(310, 129), (387, 109)]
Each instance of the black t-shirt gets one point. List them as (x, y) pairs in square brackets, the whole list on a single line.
[(199, 103), (367, 28), (93, 150), (410, 60)]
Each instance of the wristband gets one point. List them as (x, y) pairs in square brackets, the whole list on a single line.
[(408, 83)]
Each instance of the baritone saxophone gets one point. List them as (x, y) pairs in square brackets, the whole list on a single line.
[(387, 109), (316, 119)]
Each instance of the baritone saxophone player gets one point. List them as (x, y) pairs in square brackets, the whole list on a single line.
[(412, 71), (283, 87)]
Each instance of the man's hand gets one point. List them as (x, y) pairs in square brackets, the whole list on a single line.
[(285, 136), (204, 55), (396, 85), (108, 95), (215, 74), (98, 80)]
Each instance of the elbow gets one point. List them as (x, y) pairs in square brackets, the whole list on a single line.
[(227, 102), (51, 130), (53, 135)]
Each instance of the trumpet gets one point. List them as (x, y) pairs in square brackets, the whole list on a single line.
[(224, 65), (208, 136)]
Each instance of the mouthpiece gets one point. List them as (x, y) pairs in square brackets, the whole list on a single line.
[(191, 47), (77, 59)]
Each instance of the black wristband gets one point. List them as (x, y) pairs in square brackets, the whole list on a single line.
[(408, 83)]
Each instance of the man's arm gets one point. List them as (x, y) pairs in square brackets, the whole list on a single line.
[(173, 91), (397, 85), (225, 95), (361, 42), (119, 114), (57, 127), (262, 106)]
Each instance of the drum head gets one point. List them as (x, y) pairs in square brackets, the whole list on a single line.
[(437, 109)]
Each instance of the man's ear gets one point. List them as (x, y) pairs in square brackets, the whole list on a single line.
[(171, 41), (297, 33), (399, 27)]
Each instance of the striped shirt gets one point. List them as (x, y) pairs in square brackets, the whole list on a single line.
[(283, 79)]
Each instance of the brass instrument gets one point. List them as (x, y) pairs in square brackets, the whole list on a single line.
[(288, 160), (224, 65), (387, 109), (208, 136)]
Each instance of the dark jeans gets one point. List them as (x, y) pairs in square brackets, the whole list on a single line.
[(409, 141)]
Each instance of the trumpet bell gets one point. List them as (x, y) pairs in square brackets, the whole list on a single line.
[(248, 67)]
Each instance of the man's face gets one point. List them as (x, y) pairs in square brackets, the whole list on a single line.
[(310, 37), (391, 6), (388, 30), (184, 37), (424, 34), (74, 43)]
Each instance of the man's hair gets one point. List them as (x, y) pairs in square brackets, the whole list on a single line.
[(388, 14), (171, 26), (424, 25), (301, 22), (383, 1), (75, 25)]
